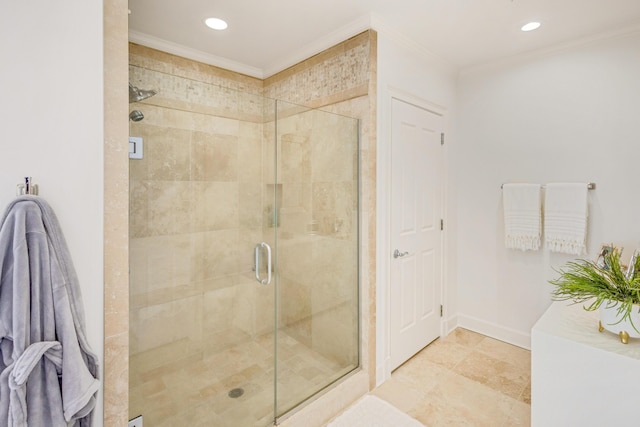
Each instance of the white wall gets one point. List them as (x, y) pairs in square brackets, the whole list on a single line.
[(415, 76), (571, 115), (51, 115)]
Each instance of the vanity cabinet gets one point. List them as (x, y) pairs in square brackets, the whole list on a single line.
[(579, 376)]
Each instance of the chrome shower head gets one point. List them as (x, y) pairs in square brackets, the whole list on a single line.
[(136, 115), (136, 94)]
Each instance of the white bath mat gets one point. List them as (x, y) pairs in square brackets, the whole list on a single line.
[(371, 411)]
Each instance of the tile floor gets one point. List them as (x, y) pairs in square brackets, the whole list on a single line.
[(465, 379)]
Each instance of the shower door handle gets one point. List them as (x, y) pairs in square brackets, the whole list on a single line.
[(257, 261)]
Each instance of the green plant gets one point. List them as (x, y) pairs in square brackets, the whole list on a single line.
[(582, 281)]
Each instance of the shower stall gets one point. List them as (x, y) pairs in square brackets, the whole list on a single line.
[(244, 253)]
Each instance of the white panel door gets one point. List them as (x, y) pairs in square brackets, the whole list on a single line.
[(416, 236)]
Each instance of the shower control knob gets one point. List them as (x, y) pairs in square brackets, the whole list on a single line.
[(398, 254)]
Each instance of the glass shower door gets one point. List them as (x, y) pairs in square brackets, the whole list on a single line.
[(316, 279), (201, 326)]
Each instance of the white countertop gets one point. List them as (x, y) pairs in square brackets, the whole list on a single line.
[(564, 319)]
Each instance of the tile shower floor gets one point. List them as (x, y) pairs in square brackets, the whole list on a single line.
[(196, 393), (464, 379)]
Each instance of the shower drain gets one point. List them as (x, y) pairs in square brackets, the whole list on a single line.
[(236, 392)]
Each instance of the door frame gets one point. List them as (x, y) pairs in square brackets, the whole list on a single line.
[(383, 224)]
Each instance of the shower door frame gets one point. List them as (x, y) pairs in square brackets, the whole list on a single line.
[(158, 126)]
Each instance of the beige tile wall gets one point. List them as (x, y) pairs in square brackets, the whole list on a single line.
[(340, 80), (317, 233)]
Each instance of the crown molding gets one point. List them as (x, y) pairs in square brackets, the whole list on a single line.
[(333, 38), (379, 25), (196, 55), (370, 21), (552, 50)]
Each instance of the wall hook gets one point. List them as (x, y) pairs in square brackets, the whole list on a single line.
[(27, 188)]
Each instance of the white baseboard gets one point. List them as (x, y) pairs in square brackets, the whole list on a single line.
[(496, 331), (449, 325)]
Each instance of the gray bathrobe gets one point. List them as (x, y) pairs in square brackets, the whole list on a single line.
[(48, 373)]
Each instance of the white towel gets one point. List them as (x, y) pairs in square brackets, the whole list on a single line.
[(522, 216), (565, 221)]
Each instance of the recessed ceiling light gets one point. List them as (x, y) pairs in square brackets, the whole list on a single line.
[(530, 26), (216, 23)]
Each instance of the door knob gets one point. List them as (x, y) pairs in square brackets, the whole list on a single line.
[(398, 254)]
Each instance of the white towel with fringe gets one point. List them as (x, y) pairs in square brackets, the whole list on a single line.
[(522, 216), (565, 217)]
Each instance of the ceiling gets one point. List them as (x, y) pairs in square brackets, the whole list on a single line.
[(267, 36)]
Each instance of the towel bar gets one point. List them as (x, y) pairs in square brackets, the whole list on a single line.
[(590, 186)]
